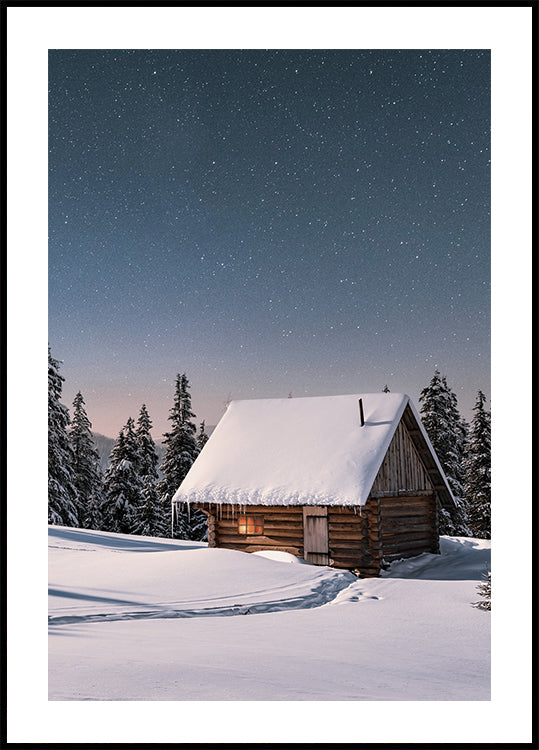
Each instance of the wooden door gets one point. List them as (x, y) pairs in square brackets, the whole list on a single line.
[(315, 535)]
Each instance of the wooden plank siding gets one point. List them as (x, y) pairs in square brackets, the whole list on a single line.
[(407, 511), (316, 534), (427, 459), (402, 470)]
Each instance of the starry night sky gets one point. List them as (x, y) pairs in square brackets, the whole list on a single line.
[(313, 222)]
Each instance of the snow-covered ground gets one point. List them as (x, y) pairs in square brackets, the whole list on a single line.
[(145, 619), (157, 644)]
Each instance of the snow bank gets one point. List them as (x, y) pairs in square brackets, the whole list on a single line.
[(285, 557), (142, 619), (92, 579)]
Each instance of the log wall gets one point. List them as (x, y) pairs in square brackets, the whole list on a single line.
[(353, 533), (408, 526), (362, 539), (283, 528), (353, 539)]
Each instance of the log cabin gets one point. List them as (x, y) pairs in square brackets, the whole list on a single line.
[(346, 481)]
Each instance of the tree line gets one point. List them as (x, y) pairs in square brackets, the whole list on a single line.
[(133, 495), (464, 454)]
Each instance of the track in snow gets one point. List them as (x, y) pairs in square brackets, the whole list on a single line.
[(324, 593)]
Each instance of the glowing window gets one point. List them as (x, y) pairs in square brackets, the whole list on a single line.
[(250, 525)]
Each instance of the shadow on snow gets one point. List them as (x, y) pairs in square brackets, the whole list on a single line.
[(121, 541)]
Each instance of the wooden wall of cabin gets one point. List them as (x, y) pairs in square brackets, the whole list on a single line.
[(387, 529), (404, 502), (353, 538), (408, 526), (360, 539), (282, 528), (402, 470)]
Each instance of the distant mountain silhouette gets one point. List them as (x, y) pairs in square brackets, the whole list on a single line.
[(104, 446)]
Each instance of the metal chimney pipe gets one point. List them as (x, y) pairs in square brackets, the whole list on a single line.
[(361, 417)]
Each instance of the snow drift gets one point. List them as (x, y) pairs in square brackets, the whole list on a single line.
[(147, 619)]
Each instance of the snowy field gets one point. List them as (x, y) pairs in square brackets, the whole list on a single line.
[(153, 640), (146, 619)]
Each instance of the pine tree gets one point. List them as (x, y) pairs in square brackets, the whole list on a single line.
[(112, 485), (148, 458), (93, 515), (484, 589), (149, 516), (181, 452), (150, 520), (202, 437), (477, 470), (198, 522), (447, 432), (63, 500), (88, 477), (123, 486), (455, 471)]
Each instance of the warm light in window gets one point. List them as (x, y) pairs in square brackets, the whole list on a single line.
[(250, 525)]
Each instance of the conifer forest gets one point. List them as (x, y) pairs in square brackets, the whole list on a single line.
[(133, 494)]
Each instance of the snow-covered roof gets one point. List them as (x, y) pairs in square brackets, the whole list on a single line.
[(297, 451)]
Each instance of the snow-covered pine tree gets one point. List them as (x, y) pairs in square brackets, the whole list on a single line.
[(202, 437), (112, 485), (123, 485), (148, 458), (150, 520), (485, 592), (446, 430), (456, 467), (88, 477), (149, 516), (477, 470), (63, 501), (181, 451), (198, 522), (93, 516)]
